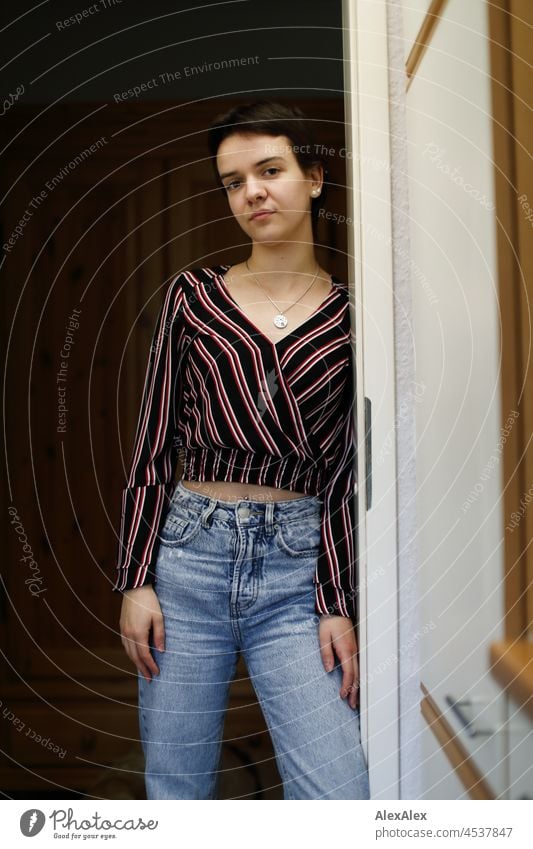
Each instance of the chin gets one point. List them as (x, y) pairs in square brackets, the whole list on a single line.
[(258, 236), (271, 239)]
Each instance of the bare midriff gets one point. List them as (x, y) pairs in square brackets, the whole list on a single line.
[(234, 491)]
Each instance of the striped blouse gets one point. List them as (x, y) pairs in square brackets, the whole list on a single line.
[(238, 407)]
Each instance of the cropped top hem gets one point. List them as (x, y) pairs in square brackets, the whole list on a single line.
[(231, 464)]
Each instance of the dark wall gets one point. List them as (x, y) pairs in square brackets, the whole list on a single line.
[(292, 48)]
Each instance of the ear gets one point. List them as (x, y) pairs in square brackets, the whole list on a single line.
[(316, 175)]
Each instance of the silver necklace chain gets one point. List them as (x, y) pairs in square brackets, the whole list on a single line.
[(281, 320)]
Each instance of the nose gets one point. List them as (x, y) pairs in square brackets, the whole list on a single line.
[(254, 189)]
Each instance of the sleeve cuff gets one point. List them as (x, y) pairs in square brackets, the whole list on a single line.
[(126, 581), (333, 601)]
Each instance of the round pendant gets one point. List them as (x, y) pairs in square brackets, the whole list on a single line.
[(280, 321)]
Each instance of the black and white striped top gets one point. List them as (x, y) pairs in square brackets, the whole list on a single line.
[(236, 406)]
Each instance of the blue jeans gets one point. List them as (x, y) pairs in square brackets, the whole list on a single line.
[(238, 576)]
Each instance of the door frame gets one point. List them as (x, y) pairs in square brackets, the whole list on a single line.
[(370, 278)]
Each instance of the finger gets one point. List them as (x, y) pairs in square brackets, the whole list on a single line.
[(327, 659), (326, 650), (140, 654), (146, 671), (354, 695), (347, 676), (133, 655), (146, 657), (143, 669), (159, 633)]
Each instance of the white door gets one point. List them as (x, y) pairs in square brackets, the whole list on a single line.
[(368, 172)]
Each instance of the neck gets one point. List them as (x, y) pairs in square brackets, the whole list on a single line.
[(282, 263)]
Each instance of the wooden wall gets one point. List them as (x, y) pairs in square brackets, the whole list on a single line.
[(104, 203)]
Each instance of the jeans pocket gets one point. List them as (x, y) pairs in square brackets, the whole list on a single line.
[(300, 537), (181, 525)]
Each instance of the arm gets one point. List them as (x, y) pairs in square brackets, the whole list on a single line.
[(150, 483), (335, 578)]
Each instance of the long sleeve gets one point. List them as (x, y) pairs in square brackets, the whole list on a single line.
[(335, 578), (150, 483)]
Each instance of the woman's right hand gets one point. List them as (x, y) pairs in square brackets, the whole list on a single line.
[(140, 612)]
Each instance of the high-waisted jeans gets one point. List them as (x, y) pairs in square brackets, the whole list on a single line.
[(238, 576)]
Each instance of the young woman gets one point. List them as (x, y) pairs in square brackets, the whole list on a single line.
[(253, 550)]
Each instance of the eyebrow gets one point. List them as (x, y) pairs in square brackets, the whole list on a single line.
[(261, 162)]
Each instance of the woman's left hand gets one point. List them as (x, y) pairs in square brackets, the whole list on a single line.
[(337, 632)]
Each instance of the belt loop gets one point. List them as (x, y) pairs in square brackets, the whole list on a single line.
[(206, 512), (269, 518)]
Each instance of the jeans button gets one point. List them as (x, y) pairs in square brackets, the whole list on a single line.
[(243, 512)]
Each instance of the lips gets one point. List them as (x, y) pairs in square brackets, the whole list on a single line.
[(261, 213)]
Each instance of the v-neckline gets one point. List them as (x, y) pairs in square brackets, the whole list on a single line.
[(219, 276)]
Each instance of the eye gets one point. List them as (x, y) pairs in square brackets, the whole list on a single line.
[(236, 183)]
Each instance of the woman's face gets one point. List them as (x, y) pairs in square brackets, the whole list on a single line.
[(261, 172)]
